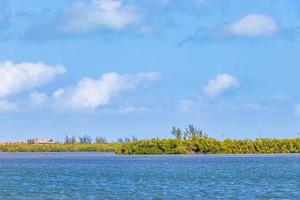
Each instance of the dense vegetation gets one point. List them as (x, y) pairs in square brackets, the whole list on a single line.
[(195, 141), (189, 141), (58, 147), (206, 145)]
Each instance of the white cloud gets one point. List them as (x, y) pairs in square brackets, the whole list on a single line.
[(38, 98), (112, 14), (187, 105), (18, 77), (252, 25), (134, 109), (219, 84), (58, 93), (6, 106), (91, 93)]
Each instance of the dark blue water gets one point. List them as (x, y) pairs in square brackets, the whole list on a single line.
[(107, 176)]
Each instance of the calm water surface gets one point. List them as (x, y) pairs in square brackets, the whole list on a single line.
[(108, 176)]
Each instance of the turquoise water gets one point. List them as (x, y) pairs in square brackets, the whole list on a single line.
[(108, 176)]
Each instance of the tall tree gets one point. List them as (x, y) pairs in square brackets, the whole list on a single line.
[(101, 140), (193, 133), (176, 132), (85, 139), (70, 139)]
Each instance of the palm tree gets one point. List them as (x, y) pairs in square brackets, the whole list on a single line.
[(176, 132)]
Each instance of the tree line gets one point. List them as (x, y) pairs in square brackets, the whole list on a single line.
[(86, 139), (190, 132), (195, 141), (190, 140), (207, 145)]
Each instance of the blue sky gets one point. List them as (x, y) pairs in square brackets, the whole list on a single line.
[(118, 68)]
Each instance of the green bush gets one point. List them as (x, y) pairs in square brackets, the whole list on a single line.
[(207, 145), (200, 145), (58, 147)]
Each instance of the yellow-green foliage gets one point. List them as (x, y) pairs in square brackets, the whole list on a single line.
[(203, 145), (206, 145), (153, 146), (58, 147)]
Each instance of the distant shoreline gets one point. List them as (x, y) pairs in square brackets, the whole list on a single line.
[(207, 145), (195, 146), (189, 155)]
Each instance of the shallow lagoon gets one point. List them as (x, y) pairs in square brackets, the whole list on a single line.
[(109, 176)]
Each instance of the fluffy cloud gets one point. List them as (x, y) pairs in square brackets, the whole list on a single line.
[(6, 106), (18, 77), (186, 105), (58, 93), (252, 25), (134, 109), (112, 14), (38, 98), (91, 93), (219, 84)]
